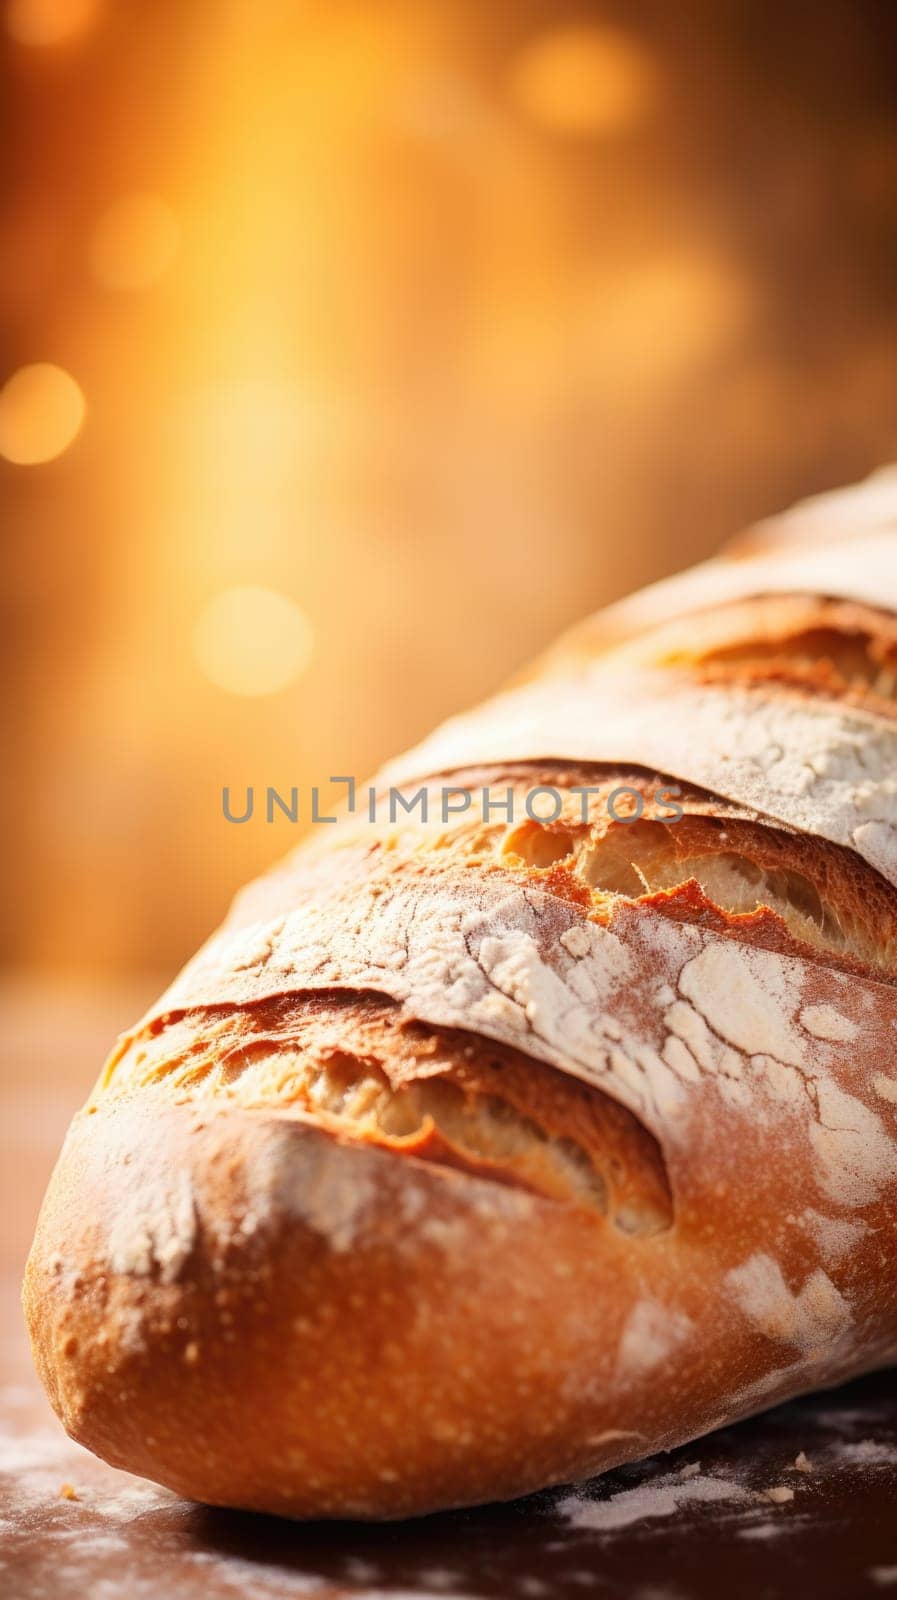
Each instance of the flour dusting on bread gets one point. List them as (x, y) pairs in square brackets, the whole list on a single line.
[(476, 1153)]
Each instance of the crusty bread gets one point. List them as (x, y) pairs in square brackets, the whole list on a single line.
[(475, 1154)]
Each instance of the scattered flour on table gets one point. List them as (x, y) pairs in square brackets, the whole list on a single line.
[(662, 1497), (867, 1453), (764, 1510)]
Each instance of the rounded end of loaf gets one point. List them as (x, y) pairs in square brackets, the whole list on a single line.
[(262, 1315), (488, 1157), (267, 1317), (298, 1325)]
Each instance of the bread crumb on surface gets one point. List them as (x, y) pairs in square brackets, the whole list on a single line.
[(802, 1463), (779, 1495), (67, 1491)]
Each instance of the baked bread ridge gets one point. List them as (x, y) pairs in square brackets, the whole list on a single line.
[(325, 1330), (497, 1015), (782, 1269), (818, 764), (838, 545), (784, 730)]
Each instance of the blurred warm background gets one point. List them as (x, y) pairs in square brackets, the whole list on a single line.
[(350, 350)]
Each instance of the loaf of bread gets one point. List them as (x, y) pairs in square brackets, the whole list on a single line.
[(550, 1118)]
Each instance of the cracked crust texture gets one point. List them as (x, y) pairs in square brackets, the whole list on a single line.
[(471, 1156)]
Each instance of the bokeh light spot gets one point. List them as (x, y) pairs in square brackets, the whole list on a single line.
[(41, 411), (662, 318), (48, 22), (252, 641), (585, 79), (134, 242)]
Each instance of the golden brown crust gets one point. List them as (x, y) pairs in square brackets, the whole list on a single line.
[(347, 1334), (385, 1339), (823, 647), (836, 646), (781, 888), (475, 1155), (356, 1067)]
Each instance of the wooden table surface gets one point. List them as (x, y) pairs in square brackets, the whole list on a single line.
[(708, 1521)]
